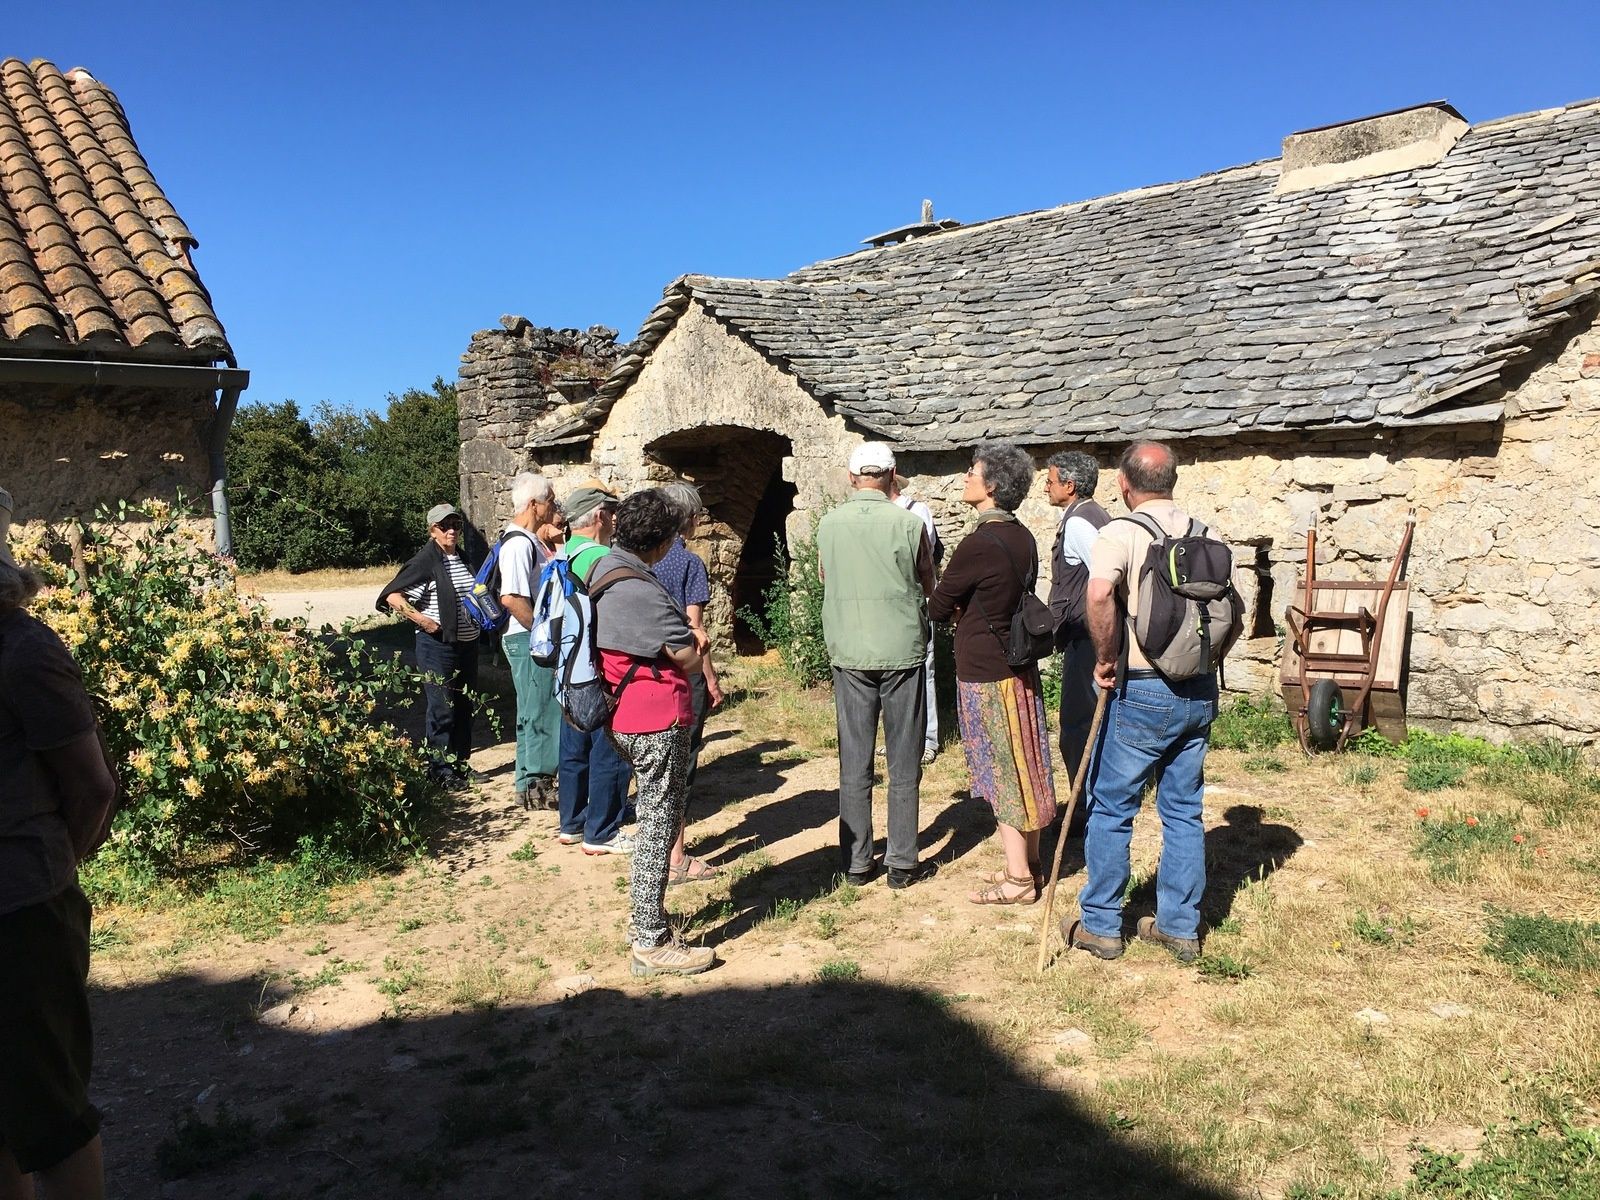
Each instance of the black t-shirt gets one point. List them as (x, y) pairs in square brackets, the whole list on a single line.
[(42, 706)]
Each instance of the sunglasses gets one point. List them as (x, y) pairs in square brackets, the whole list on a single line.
[(450, 525)]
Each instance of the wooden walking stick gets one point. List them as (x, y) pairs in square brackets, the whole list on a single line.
[(1066, 824)]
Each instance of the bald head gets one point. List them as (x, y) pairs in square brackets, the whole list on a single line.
[(1149, 470)]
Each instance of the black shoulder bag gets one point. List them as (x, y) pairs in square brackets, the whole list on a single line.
[(1033, 630)]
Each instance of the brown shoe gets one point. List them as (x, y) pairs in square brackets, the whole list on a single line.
[(671, 958), (1079, 938), (1185, 950)]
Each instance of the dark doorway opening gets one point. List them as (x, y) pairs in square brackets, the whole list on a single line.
[(764, 559), (739, 472)]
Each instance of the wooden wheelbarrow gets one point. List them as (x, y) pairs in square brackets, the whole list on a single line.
[(1344, 654)]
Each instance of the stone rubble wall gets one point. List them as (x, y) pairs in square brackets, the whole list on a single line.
[(1505, 565), (64, 453), (513, 382)]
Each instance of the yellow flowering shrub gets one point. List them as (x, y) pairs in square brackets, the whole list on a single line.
[(228, 726)]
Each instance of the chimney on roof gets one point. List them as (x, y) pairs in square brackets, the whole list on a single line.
[(1402, 140), (905, 233)]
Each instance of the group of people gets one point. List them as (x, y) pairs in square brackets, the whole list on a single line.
[(883, 591), (655, 654), (881, 595)]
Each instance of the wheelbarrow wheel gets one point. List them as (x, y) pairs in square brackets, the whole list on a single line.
[(1325, 714)]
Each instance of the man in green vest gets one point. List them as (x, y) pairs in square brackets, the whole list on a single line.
[(877, 574)]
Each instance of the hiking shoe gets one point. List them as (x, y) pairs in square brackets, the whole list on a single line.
[(1185, 950), (620, 843), (901, 878), (1079, 938), (671, 958), (929, 755)]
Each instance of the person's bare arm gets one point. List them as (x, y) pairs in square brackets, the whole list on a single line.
[(398, 602), (702, 643), (688, 659), (85, 782), (520, 608), (1101, 609)]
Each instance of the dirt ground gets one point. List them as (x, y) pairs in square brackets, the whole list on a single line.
[(468, 1026)]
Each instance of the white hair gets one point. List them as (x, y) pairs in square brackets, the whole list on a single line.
[(589, 520), (527, 488), (684, 497)]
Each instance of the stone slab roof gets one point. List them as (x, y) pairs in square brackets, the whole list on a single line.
[(94, 260), (1212, 307)]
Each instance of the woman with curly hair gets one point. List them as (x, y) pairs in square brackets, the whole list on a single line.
[(648, 653), (1001, 708)]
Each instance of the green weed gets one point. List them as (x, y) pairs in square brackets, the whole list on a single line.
[(1524, 1162), (1224, 968), (527, 852), (196, 1144), (1264, 764), (1542, 941), (839, 970), (1382, 930), (1451, 841), (1360, 774)]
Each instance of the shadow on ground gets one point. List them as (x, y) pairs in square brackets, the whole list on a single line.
[(1239, 850), (828, 1089)]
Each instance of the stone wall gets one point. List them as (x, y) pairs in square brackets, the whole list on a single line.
[(514, 382), (1505, 565), (62, 453)]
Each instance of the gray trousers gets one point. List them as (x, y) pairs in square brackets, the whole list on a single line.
[(1078, 697), (858, 699)]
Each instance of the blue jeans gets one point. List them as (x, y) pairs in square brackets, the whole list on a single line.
[(451, 670), (593, 785), (1151, 726)]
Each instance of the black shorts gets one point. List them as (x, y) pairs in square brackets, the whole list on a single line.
[(45, 1046)]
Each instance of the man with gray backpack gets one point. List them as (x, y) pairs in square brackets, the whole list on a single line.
[(1163, 612)]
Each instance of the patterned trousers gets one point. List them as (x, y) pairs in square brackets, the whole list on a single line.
[(660, 764)]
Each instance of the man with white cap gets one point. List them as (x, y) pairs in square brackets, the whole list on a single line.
[(877, 571)]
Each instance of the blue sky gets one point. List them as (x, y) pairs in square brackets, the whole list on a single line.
[(371, 183)]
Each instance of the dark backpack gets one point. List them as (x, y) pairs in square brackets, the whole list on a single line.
[(587, 700), (1189, 613), (1032, 633)]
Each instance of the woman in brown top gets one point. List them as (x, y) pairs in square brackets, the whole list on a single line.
[(1001, 709)]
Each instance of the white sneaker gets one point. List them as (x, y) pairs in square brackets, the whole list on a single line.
[(569, 839), (621, 843), (674, 958)]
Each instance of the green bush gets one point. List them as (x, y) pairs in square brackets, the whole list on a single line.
[(342, 488), (228, 728), (790, 617)]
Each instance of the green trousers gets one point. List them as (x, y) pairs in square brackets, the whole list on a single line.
[(538, 714)]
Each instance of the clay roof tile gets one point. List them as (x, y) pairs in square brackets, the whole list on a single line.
[(91, 249)]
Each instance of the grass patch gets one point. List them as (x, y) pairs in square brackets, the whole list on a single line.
[(196, 1144), (1524, 1162), (1543, 941), (527, 852), (1264, 764), (1382, 930), (1434, 775), (839, 970), (1258, 723), (1360, 774), (1452, 842)]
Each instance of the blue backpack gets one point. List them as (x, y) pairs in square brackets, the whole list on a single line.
[(483, 601)]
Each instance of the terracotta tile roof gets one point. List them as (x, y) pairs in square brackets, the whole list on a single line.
[(94, 260), (1207, 308)]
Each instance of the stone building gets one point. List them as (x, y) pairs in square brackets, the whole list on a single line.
[(1400, 312), (116, 378)]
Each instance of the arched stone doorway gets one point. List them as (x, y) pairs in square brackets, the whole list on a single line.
[(740, 474)]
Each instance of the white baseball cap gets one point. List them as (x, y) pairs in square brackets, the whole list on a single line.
[(871, 458)]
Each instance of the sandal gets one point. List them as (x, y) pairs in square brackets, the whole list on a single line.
[(995, 893), (693, 870), (1034, 869)]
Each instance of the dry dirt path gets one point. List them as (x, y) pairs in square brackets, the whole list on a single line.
[(323, 606)]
